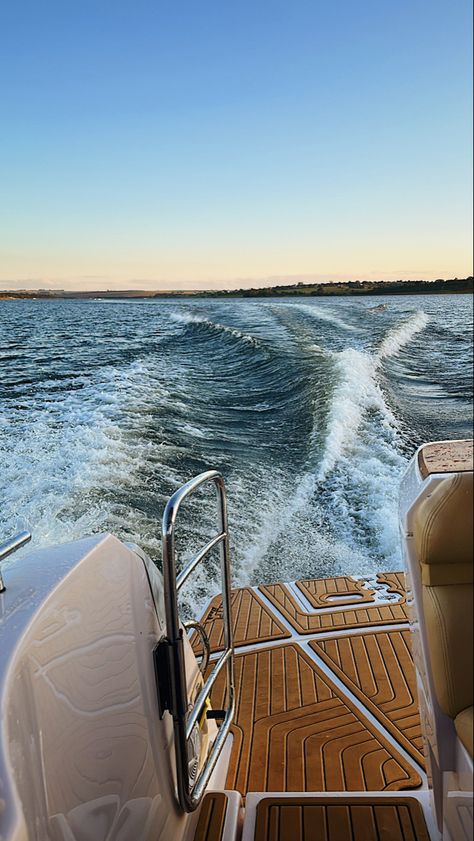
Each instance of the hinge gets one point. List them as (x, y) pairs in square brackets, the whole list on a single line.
[(161, 660)]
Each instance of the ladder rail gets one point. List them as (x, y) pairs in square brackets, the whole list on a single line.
[(184, 722), (10, 546)]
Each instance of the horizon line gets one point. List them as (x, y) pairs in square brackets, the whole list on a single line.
[(136, 291)]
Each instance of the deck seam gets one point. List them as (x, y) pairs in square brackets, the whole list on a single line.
[(302, 638)]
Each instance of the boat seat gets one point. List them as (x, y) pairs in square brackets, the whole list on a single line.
[(464, 728), (443, 535)]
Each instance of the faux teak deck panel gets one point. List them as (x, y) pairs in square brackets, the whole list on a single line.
[(296, 731), (324, 621), (295, 728), (252, 621), (211, 821), (378, 668), (361, 819), (321, 591)]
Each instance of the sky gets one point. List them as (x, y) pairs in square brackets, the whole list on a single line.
[(177, 145)]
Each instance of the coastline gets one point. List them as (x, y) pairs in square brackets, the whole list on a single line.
[(455, 286)]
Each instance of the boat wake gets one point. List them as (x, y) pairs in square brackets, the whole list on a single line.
[(398, 337), (358, 391), (346, 499), (214, 326), (294, 402), (325, 315)]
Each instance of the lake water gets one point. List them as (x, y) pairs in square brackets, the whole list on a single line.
[(310, 408)]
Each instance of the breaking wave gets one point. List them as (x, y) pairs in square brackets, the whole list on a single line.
[(325, 315), (356, 392), (401, 335), (214, 326)]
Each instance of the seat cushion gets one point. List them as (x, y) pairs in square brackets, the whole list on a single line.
[(463, 724), (449, 631), (443, 532)]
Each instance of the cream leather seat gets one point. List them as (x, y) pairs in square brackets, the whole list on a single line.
[(443, 534), (463, 722)]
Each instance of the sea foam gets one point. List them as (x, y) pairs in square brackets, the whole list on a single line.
[(321, 314), (214, 326), (361, 463), (356, 392), (401, 335)]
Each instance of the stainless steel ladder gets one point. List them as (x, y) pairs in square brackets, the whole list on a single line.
[(9, 547), (170, 655)]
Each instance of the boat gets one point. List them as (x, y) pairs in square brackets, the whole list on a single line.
[(333, 709), (377, 309)]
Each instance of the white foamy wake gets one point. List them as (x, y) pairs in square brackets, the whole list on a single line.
[(285, 541), (215, 326), (361, 462), (70, 467), (321, 314), (401, 335), (361, 441), (363, 494), (356, 393)]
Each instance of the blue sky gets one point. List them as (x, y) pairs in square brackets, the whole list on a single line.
[(213, 144)]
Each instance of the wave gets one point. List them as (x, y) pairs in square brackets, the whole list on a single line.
[(327, 316), (401, 335), (356, 479), (357, 392), (281, 534), (71, 466), (106, 451), (342, 515), (215, 326), (361, 495)]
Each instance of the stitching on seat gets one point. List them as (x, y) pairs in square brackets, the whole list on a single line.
[(445, 498), (435, 512), (449, 682)]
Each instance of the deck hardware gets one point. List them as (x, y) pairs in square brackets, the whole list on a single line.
[(190, 791), (205, 642), (11, 546), (217, 714), (161, 660)]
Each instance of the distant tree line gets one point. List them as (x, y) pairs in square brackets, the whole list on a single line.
[(356, 287), (351, 287)]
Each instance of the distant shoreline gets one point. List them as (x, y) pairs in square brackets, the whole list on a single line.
[(455, 286)]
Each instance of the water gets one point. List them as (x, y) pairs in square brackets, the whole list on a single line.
[(310, 408)]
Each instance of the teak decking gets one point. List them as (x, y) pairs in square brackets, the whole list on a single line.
[(296, 731), (319, 592), (211, 821), (327, 711), (325, 621), (252, 621), (378, 669), (298, 819)]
